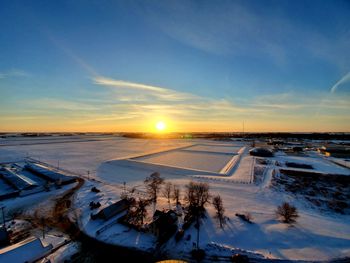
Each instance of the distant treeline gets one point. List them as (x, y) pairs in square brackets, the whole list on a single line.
[(228, 136), (198, 135)]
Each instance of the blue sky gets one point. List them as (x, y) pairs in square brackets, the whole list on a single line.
[(197, 65)]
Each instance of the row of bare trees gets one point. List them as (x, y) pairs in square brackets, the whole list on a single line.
[(170, 191), (196, 196)]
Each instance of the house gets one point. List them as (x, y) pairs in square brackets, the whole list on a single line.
[(335, 151), (29, 250), (111, 210), (261, 152), (164, 224)]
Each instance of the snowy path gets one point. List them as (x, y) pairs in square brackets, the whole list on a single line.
[(244, 170), (268, 173)]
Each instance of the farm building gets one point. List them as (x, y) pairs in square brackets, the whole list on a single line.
[(261, 152), (335, 151), (18, 181), (29, 250), (49, 174), (4, 237), (6, 190), (111, 210), (164, 224)]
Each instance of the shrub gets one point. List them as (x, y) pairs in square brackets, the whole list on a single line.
[(287, 213), (245, 217)]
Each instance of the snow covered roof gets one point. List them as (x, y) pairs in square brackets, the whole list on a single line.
[(18, 181), (47, 173), (112, 210), (28, 250)]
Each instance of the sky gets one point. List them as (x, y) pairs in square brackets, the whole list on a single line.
[(196, 65)]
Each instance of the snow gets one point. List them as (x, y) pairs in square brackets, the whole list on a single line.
[(28, 250), (244, 171), (87, 155), (318, 162), (315, 236), (193, 160), (64, 253), (18, 204), (218, 148)]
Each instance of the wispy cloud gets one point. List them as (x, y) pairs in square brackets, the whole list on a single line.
[(159, 92), (233, 28), (126, 84), (343, 80), (155, 100), (13, 73)]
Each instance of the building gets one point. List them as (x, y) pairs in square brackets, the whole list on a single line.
[(18, 181), (339, 151), (29, 250), (49, 174), (164, 224), (261, 152), (111, 210), (4, 237)]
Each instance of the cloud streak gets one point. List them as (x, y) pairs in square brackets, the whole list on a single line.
[(152, 100), (159, 92), (343, 80)]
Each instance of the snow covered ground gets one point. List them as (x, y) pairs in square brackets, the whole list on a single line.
[(193, 160), (319, 163), (84, 156), (315, 236)]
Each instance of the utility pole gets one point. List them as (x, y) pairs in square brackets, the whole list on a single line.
[(198, 224), (243, 129), (43, 223), (3, 215), (88, 172)]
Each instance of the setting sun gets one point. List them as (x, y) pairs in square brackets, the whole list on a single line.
[(160, 126)]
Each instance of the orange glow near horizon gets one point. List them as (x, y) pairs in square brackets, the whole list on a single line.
[(149, 124)]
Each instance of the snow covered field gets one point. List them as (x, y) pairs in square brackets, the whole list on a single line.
[(219, 148), (194, 160), (83, 156), (315, 236)]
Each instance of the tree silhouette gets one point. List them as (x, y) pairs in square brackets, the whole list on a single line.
[(176, 194), (153, 183), (287, 213), (220, 210), (167, 191)]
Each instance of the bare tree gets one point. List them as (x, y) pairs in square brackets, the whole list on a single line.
[(197, 194), (176, 194), (287, 212), (153, 183), (140, 211), (167, 191), (220, 210)]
